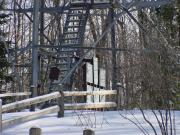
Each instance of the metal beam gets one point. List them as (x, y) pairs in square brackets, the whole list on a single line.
[(35, 50), (113, 45), (91, 47), (139, 5)]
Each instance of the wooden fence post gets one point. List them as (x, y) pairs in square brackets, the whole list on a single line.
[(61, 104), (0, 116), (35, 131), (88, 132)]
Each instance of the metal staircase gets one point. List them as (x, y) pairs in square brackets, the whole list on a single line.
[(73, 35), (74, 30)]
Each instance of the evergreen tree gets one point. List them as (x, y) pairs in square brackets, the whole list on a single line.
[(3, 53), (170, 18)]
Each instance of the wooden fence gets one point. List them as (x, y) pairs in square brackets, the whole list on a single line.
[(59, 96)]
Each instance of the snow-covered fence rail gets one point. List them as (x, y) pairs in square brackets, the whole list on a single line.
[(86, 93), (15, 94), (60, 108), (89, 105), (28, 117), (30, 101), (54, 95)]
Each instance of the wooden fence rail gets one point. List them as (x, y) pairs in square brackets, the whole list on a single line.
[(28, 117), (78, 106), (60, 108), (54, 95), (86, 93), (30, 101)]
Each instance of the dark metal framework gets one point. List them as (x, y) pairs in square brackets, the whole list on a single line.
[(70, 44)]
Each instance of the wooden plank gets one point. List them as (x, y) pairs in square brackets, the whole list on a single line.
[(54, 95), (28, 117), (15, 94), (30, 101), (82, 106), (85, 93), (61, 105)]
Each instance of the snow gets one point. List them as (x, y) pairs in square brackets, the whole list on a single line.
[(74, 122)]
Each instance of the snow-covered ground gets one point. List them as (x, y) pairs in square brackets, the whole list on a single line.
[(103, 123)]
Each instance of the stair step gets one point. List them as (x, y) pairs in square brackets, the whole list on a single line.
[(70, 44), (75, 26), (76, 8), (73, 38), (75, 20), (76, 14), (62, 57), (71, 32)]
